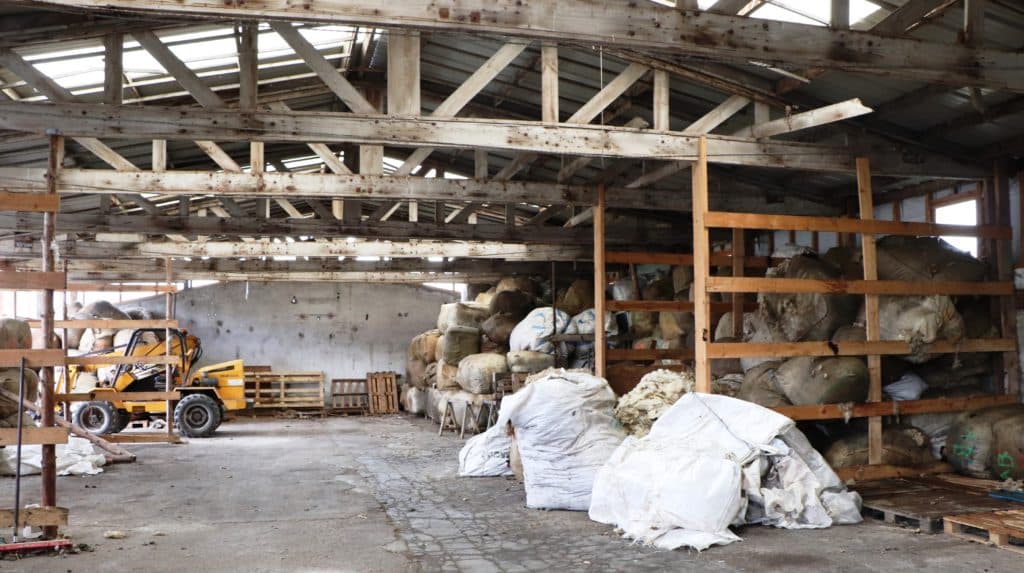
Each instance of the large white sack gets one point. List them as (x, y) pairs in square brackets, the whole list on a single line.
[(486, 454), (415, 400), (534, 331), (657, 492), (77, 457), (564, 431), (711, 461)]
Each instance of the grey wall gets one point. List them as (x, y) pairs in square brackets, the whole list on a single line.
[(344, 330)]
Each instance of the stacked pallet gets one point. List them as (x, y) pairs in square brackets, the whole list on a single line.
[(266, 389)]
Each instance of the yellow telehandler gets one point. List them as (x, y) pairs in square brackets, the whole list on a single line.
[(204, 395)]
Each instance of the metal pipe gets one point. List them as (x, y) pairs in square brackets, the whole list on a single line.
[(17, 454)]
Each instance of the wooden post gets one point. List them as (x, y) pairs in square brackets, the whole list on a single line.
[(113, 68), (168, 369), (870, 308), (701, 269), (738, 256), (49, 451), (549, 83), (600, 340), (661, 99), (1004, 267), (159, 161)]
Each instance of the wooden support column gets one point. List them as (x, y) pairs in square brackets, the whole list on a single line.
[(159, 162), (870, 308), (46, 375), (403, 95), (168, 369), (701, 269), (840, 19), (113, 68), (738, 256), (549, 83), (248, 81), (600, 338), (661, 97), (1004, 268)]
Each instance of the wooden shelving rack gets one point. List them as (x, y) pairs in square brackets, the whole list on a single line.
[(873, 348), (48, 280)]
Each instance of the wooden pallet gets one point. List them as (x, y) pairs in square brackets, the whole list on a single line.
[(285, 389), (382, 388), (349, 396), (1003, 529), (923, 502)]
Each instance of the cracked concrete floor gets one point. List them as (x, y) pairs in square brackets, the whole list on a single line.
[(380, 494)]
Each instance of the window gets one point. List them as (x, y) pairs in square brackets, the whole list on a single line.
[(958, 212)]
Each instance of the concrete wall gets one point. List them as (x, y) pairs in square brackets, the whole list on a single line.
[(344, 330)]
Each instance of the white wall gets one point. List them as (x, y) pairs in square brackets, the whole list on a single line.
[(344, 330)]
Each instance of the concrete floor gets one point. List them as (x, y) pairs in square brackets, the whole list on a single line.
[(380, 494)]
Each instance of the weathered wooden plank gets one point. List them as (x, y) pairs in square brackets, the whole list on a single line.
[(877, 287), (33, 358), (650, 354), (884, 471), (109, 396), (33, 436), (197, 183), (32, 280), (892, 408), (701, 270), (647, 25), (110, 287), (35, 516), (103, 323), (152, 122), (722, 219), (110, 360), (853, 348), (33, 202), (600, 285), (649, 258)]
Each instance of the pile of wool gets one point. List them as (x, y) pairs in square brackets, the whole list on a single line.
[(655, 394)]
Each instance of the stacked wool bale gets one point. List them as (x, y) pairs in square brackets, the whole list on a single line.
[(648, 329), (15, 335), (92, 339), (474, 338), (918, 320)]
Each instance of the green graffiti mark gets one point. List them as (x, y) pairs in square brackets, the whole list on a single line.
[(1007, 474), (962, 451), (1004, 460)]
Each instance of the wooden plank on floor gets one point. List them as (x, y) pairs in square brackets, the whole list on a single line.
[(151, 437)]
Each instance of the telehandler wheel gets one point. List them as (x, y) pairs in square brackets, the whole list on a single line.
[(98, 418), (123, 419), (197, 416)]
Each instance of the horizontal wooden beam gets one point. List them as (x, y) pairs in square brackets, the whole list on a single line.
[(111, 396), (886, 471), (112, 360), (857, 287), (666, 306), (35, 202), (33, 358), (726, 220), (894, 408), (648, 258), (326, 229), (277, 184), (634, 25), (33, 436), (109, 324), (177, 123), (110, 287), (33, 280), (718, 350), (649, 354), (36, 516)]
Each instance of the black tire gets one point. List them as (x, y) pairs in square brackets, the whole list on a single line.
[(98, 418), (123, 419), (197, 416)]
